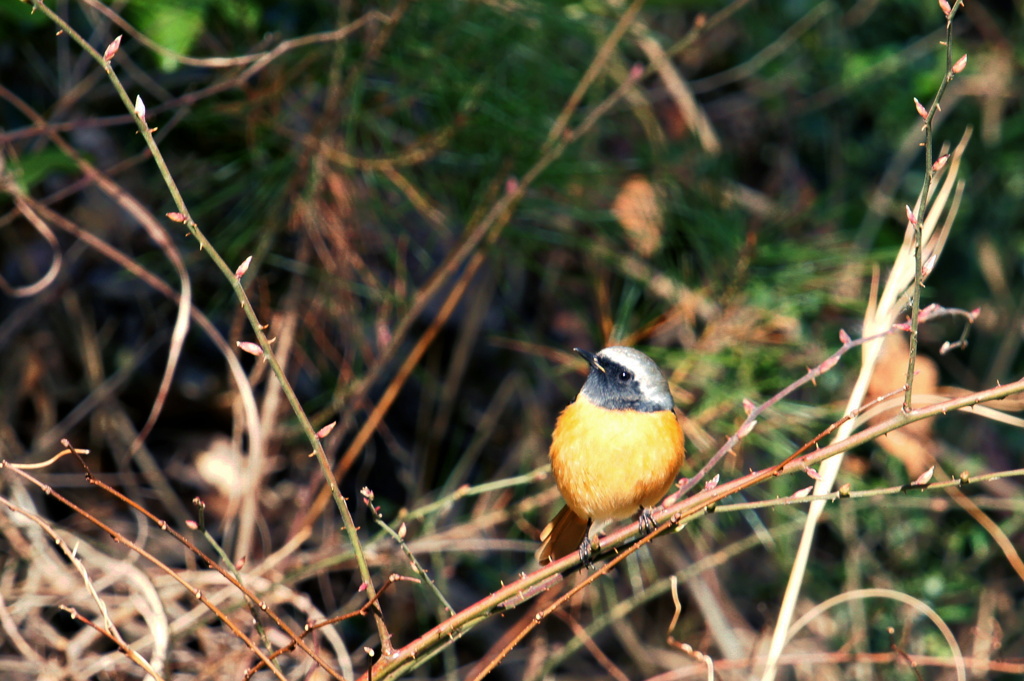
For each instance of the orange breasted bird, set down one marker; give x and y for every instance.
(616, 449)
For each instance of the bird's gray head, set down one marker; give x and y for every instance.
(625, 378)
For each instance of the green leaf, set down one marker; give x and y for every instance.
(31, 169)
(174, 24)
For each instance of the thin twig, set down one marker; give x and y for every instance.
(917, 217)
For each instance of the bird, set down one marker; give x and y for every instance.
(615, 450)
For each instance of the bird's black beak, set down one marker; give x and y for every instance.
(590, 357)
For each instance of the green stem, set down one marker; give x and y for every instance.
(922, 206)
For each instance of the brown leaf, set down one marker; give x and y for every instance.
(912, 444)
(638, 209)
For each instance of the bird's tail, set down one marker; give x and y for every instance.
(562, 536)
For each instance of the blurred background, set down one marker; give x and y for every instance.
(431, 238)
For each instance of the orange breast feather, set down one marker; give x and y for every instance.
(608, 463)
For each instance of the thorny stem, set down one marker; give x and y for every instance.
(922, 205)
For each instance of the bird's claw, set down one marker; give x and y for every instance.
(586, 548)
(647, 524)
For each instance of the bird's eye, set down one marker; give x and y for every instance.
(625, 377)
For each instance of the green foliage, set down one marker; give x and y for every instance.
(178, 25)
(43, 164)
(18, 17)
(174, 24)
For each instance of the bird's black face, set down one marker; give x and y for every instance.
(615, 385)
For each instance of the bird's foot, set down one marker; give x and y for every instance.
(647, 524)
(587, 547)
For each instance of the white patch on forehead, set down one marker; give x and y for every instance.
(642, 366)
